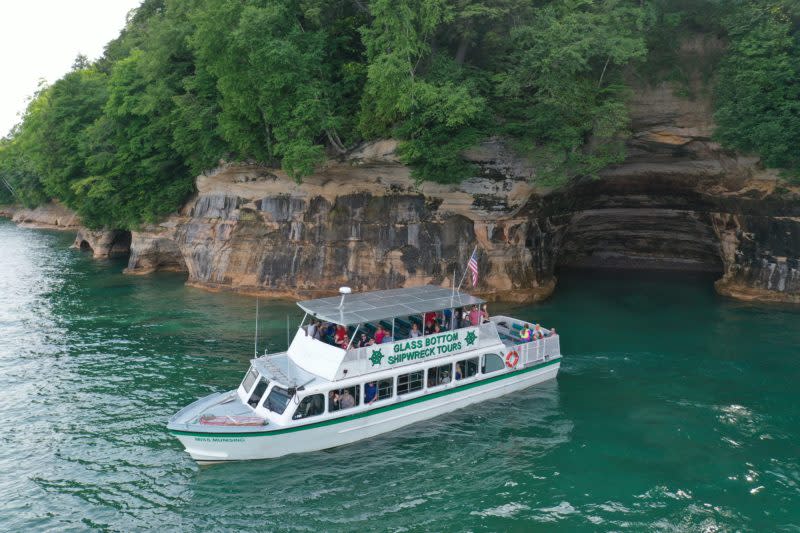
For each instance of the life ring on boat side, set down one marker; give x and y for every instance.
(512, 359)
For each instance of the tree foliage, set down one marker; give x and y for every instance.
(288, 83)
(758, 94)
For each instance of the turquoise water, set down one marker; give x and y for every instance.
(675, 410)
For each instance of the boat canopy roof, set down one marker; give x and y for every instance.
(379, 305)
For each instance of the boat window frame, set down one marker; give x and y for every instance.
(300, 404)
(483, 363)
(438, 368)
(378, 390)
(262, 378)
(263, 403)
(357, 396)
(421, 372)
(250, 371)
(477, 360)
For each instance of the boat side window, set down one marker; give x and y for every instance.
(310, 406)
(249, 379)
(466, 368)
(345, 398)
(375, 391)
(258, 392)
(492, 363)
(277, 400)
(409, 382)
(439, 375)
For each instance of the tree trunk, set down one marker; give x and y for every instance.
(461, 53)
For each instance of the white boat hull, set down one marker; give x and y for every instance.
(216, 447)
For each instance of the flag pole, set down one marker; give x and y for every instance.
(465, 270)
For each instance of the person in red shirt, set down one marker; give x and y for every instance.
(340, 334)
(430, 320)
(379, 335)
(475, 316)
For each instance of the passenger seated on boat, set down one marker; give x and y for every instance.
(430, 318)
(552, 332)
(311, 330)
(363, 340)
(485, 313)
(415, 332)
(463, 317)
(525, 335)
(379, 334)
(346, 400)
(344, 343)
(370, 392)
(466, 368)
(436, 328)
(333, 401)
(474, 316)
(439, 375)
(340, 334)
(447, 319)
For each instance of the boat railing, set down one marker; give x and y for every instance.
(360, 360)
(538, 350)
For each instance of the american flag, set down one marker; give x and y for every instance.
(473, 267)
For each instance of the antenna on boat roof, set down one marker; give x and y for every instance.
(453, 294)
(255, 336)
(344, 291)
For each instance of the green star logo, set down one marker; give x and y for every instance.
(470, 338)
(376, 357)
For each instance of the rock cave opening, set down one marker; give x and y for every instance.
(120, 244)
(640, 239)
(85, 246)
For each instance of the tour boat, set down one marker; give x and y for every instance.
(319, 395)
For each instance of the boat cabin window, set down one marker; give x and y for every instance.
(277, 400)
(310, 406)
(249, 379)
(466, 368)
(258, 392)
(407, 383)
(492, 363)
(345, 398)
(439, 375)
(378, 390)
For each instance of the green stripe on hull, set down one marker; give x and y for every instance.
(370, 412)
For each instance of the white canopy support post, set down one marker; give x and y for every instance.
(393, 339)
(255, 335)
(355, 333)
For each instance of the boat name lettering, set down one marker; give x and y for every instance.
(424, 347)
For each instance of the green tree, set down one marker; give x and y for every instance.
(562, 94)
(286, 80)
(758, 94)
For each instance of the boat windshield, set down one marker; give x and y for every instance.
(258, 392)
(277, 400)
(249, 379)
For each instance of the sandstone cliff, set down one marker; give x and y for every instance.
(102, 243)
(679, 201)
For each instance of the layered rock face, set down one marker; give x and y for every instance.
(361, 223)
(679, 201)
(47, 216)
